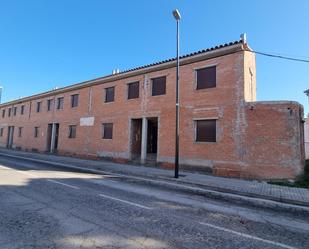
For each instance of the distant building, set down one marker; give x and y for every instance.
(130, 116)
(307, 130)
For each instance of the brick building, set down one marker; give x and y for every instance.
(130, 116)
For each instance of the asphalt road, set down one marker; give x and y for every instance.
(48, 207)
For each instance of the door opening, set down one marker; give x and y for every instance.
(152, 139)
(10, 137)
(52, 137)
(136, 138)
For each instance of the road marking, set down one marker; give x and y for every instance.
(127, 202)
(63, 184)
(247, 236)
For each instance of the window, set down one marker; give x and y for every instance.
(74, 100)
(3, 113)
(22, 110)
(1, 132)
(60, 103)
(14, 111)
(36, 131)
(20, 130)
(206, 78)
(107, 130)
(50, 103)
(206, 130)
(72, 131)
(38, 106)
(109, 94)
(10, 110)
(133, 90)
(158, 86)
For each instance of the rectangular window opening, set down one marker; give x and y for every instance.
(206, 78)
(72, 131)
(36, 131)
(22, 110)
(60, 103)
(109, 94)
(206, 130)
(38, 106)
(74, 100)
(20, 130)
(133, 90)
(159, 86)
(107, 129)
(50, 103)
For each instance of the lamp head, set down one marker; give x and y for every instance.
(176, 14)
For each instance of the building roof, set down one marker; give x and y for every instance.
(216, 51)
(185, 56)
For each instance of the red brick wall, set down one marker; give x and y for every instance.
(273, 140)
(238, 152)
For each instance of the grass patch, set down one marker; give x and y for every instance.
(302, 182)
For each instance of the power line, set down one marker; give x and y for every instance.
(278, 56)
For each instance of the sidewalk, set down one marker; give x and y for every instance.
(255, 189)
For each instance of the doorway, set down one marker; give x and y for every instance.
(52, 137)
(152, 139)
(136, 138)
(144, 140)
(10, 137)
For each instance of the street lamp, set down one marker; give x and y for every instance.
(177, 16)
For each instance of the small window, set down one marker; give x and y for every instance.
(72, 131)
(159, 86)
(109, 94)
(60, 103)
(50, 104)
(206, 130)
(38, 106)
(20, 131)
(15, 111)
(36, 131)
(22, 110)
(107, 131)
(10, 111)
(133, 90)
(74, 100)
(206, 77)
(1, 132)
(3, 113)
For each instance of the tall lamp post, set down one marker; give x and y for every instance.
(177, 17)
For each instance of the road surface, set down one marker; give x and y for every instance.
(42, 206)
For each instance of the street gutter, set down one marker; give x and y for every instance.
(276, 204)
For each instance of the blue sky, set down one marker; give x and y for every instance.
(44, 44)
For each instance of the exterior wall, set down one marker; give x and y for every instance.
(234, 153)
(274, 140)
(250, 77)
(307, 137)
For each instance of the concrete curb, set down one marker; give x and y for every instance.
(239, 198)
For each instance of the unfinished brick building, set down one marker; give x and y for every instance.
(130, 116)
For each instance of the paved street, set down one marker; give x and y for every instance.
(48, 207)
